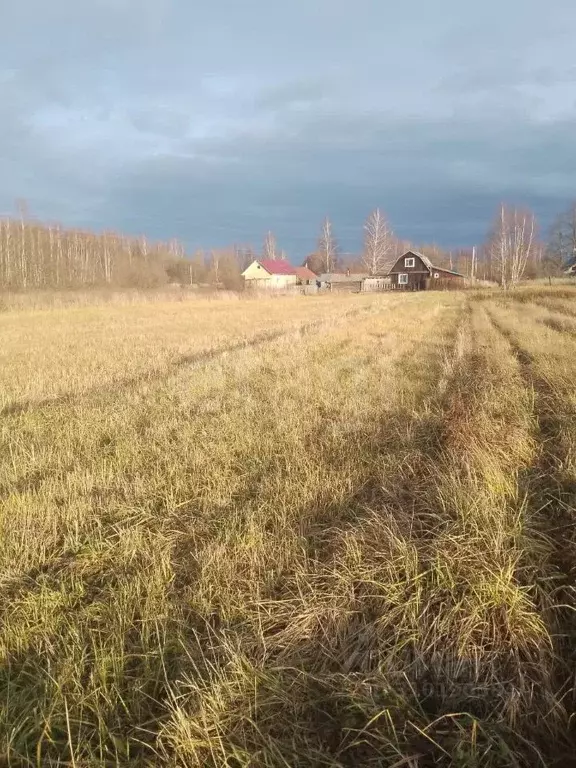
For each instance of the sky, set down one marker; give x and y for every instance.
(216, 122)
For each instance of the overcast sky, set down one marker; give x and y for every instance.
(214, 122)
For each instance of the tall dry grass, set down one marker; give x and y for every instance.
(65, 352)
(24, 301)
(336, 547)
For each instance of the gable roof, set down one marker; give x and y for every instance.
(304, 273)
(427, 263)
(425, 259)
(277, 266)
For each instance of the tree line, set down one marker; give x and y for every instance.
(36, 256)
(39, 256)
(514, 248)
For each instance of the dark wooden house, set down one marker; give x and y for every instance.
(415, 272)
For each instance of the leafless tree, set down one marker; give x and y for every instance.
(35, 256)
(378, 254)
(23, 210)
(215, 260)
(561, 249)
(314, 262)
(553, 262)
(269, 251)
(512, 244)
(327, 247)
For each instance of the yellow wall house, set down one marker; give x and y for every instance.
(270, 274)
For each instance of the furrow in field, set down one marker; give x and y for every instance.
(49, 355)
(290, 633)
(16, 482)
(139, 571)
(549, 370)
(48, 456)
(316, 551)
(421, 611)
(563, 306)
(194, 360)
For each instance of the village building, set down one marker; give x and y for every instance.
(305, 276)
(270, 274)
(570, 268)
(415, 272)
(342, 282)
(306, 280)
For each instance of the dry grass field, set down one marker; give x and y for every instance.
(325, 531)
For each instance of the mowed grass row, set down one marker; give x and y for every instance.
(545, 345)
(143, 533)
(59, 352)
(421, 640)
(326, 550)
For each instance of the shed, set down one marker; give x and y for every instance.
(305, 276)
(342, 281)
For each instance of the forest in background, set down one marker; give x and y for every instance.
(38, 256)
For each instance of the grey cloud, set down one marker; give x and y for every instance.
(159, 121)
(506, 73)
(217, 122)
(438, 181)
(301, 92)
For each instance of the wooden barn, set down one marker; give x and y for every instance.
(415, 272)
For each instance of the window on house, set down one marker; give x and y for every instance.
(436, 275)
(403, 279)
(409, 261)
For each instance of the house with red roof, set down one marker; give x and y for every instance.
(275, 274)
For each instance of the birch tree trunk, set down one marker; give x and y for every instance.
(512, 244)
(327, 246)
(379, 244)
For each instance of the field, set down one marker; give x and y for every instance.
(321, 531)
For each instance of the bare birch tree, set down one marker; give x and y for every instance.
(327, 246)
(378, 254)
(511, 245)
(269, 251)
(215, 262)
(33, 255)
(22, 210)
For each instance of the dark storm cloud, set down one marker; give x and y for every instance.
(439, 180)
(216, 123)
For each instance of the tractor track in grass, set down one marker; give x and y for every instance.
(560, 309)
(395, 492)
(193, 360)
(552, 511)
(368, 490)
(50, 571)
(35, 480)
